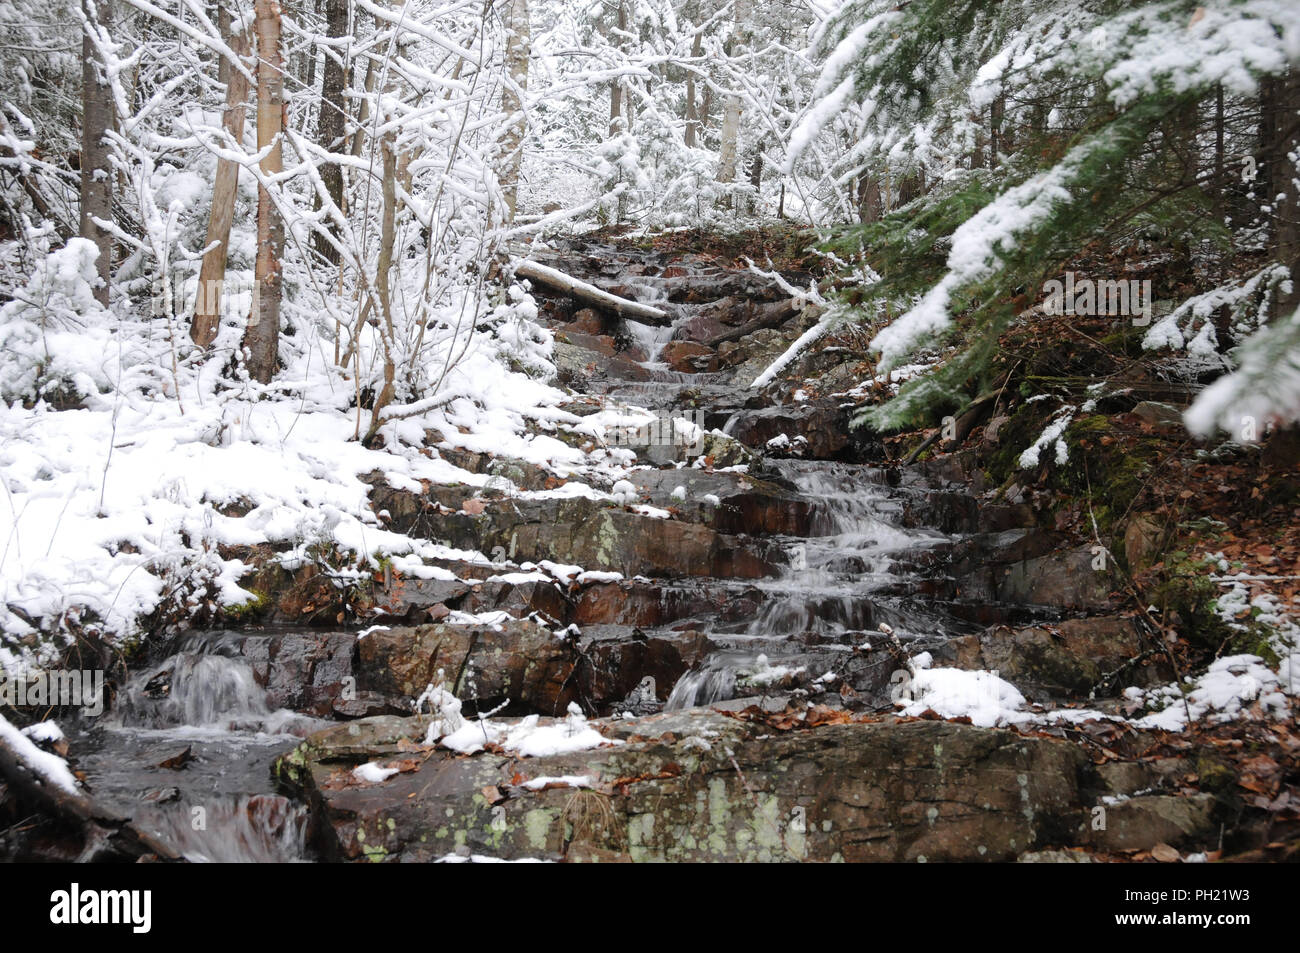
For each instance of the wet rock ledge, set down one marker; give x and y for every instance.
(701, 785)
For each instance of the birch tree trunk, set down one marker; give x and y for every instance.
(261, 339)
(96, 167)
(212, 273)
(518, 48)
(731, 117)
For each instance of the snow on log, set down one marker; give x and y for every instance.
(44, 781)
(589, 294)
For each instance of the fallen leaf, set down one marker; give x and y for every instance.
(178, 761)
(1165, 854)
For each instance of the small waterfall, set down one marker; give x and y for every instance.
(833, 589)
(202, 687)
(186, 752)
(714, 682)
(256, 828)
(650, 338)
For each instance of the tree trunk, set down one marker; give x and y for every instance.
(616, 87)
(910, 187)
(977, 156)
(518, 47)
(261, 339)
(756, 173)
(383, 277)
(870, 201)
(731, 118)
(589, 294)
(96, 167)
(730, 133)
(996, 141)
(391, 171)
(212, 273)
(363, 111)
(331, 128)
(692, 117)
(1282, 100)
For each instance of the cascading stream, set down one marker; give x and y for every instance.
(842, 581)
(186, 751)
(829, 586)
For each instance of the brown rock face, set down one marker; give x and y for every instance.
(1072, 657)
(587, 321)
(1140, 823)
(689, 357)
(520, 661)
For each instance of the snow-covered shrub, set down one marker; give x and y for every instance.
(622, 181)
(54, 336)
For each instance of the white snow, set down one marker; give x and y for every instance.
(485, 859)
(48, 768)
(764, 672)
(624, 492)
(46, 731)
(372, 773)
(654, 512)
(527, 737)
(111, 508)
(1222, 693)
(1050, 436)
(563, 780)
(985, 698)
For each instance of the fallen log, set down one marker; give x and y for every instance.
(966, 420)
(105, 836)
(590, 294)
(770, 315)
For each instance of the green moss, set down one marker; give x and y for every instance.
(1188, 591)
(1125, 340)
(1015, 436)
(1256, 640)
(1112, 473)
(1109, 474)
(1214, 775)
(248, 611)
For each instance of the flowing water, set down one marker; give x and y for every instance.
(847, 581)
(837, 588)
(187, 747)
(187, 750)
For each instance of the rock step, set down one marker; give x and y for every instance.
(695, 786)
